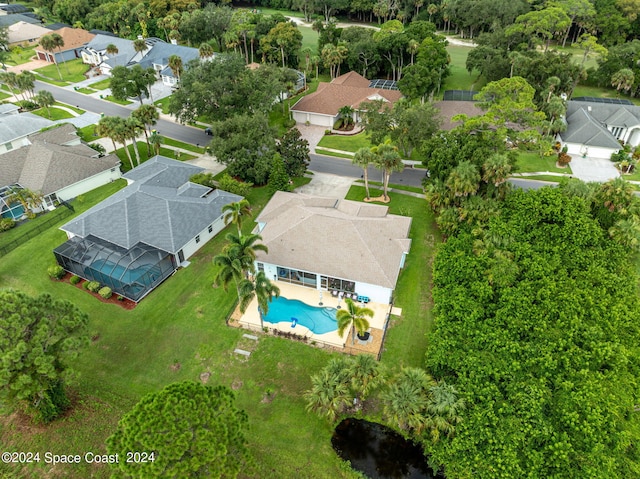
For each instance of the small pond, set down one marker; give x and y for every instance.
(380, 452)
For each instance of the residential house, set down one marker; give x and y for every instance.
(158, 58)
(57, 165)
(15, 128)
(597, 129)
(6, 20)
(25, 34)
(74, 40)
(138, 237)
(351, 89)
(333, 244)
(7, 9)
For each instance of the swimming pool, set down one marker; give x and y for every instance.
(318, 320)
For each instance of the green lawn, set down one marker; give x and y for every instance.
(350, 143)
(531, 162)
(578, 53)
(27, 226)
(183, 145)
(101, 85)
(601, 92)
(309, 40)
(142, 148)
(72, 71)
(413, 189)
(86, 91)
(322, 151)
(19, 55)
(52, 82)
(79, 111)
(115, 100)
(182, 322)
(4, 95)
(460, 79)
(163, 104)
(88, 133)
(52, 113)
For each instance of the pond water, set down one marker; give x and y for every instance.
(380, 452)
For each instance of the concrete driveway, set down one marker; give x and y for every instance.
(324, 184)
(313, 134)
(593, 169)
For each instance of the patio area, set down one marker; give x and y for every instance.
(251, 320)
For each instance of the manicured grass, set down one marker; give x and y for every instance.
(72, 71)
(555, 179)
(52, 82)
(322, 151)
(163, 104)
(119, 102)
(142, 149)
(183, 145)
(532, 162)
(24, 227)
(578, 53)
(88, 133)
(406, 341)
(182, 322)
(4, 95)
(101, 85)
(350, 143)
(86, 91)
(53, 113)
(413, 189)
(79, 111)
(20, 55)
(309, 40)
(460, 79)
(601, 92)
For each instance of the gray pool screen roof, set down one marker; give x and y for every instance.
(160, 208)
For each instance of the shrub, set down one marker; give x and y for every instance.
(289, 123)
(205, 179)
(327, 132)
(6, 224)
(120, 298)
(338, 124)
(85, 285)
(234, 186)
(56, 271)
(564, 159)
(105, 292)
(93, 286)
(74, 279)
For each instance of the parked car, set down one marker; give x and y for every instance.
(208, 131)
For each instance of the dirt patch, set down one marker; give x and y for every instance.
(204, 377)
(236, 384)
(175, 367)
(267, 398)
(380, 199)
(124, 303)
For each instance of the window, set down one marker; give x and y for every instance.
(198, 239)
(261, 267)
(210, 229)
(8, 146)
(113, 170)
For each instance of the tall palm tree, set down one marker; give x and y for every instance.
(627, 232)
(354, 317)
(230, 269)
(438, 195)
(244, 247)
(49, 43)
(496, 169)
(133, 127)
(328, 396)
(443, 410)
(234, 212)
(147, 115)
(363, 158)
(464, 179)
(388, 160)
(156, 140)
(140, 46)
(407, 400)
(111, 49)
(623, 79)
(263, 289)
(205, 50)
(175, 64)
(10, 79)
(120, 134)
(45, 99)
(365, 375)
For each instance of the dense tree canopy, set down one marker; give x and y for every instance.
(537, 321)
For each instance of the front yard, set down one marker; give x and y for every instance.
(178, 333)
(72, 71)
(350, 143)
(532, 162)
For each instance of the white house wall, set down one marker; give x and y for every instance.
(14, 144)
(88, 184)
(192, 246)
(314, 119)
(590, 151)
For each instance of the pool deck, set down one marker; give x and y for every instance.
(251, 320)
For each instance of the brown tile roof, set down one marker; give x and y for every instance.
(448, 109)
(335, 237)
(74, 37)
(330, 97)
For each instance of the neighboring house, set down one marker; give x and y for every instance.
(6, 20)
(333, 244)
(156, 55)
(74, 40)
(351, 89)
(14, 129)
(136, 238)
(12, 9)
(25, 34)
(596, 129)
(449, 108)
(57, 165)
(9, 109)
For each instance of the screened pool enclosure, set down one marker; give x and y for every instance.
(10, 209)
(131, 273)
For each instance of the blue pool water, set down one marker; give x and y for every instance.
(116, 276)
(318, 320)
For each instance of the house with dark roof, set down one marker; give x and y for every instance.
(597, 129)
(365, 259)
(6, 20)
(57, 165)
(156, 55)
(138, 237)
(74, 40)
(351, 89)
(15, 128)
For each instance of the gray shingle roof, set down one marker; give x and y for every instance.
(335, 237)
(152, 209)
(13, 127)
(60, 135)
(6, 20)
(8, 108)
(160, 53)
(47, 167)
(583, 129)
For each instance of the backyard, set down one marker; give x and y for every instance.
(178, 333)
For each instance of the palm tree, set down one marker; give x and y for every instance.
(432, 9)
(623, 79)
(107, 127)
(627, 232)
(45, 99)
(464, 179)
(496, 169)
(133, 127)
(120, 134)
(140, 46)
(265, 292)
(328, 396)
(29, 200)
(365, 375)
(49, 43)
(437, 195)
(443, 410)
(205, 50)
(156, 140)
(407, 400)
(147, 115)
(346, 113)
(355, 316)
(244, 248)
(412, 49)
(175, 63)
(111, 49)
(10, 79)
(363, 158)
(388, 160)
(230, 268)
(235, 212)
